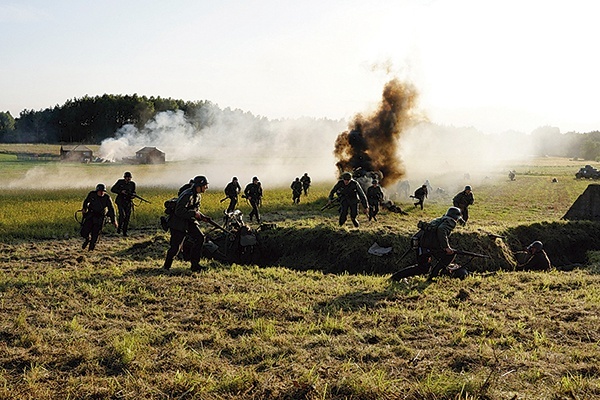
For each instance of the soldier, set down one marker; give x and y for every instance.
(374, 197)
(538, 259)
(125, 190)
(253, 193)
(463, 200)
(349, 193)
(305, 183)
(420, 195)
(232, 190)
(296, 187)
(96, 206)
(433, 243)
(185, 187)
(404, 188)
(184, 222)
(511, 175)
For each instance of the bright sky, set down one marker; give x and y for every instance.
(494, 65)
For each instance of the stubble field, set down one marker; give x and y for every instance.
(111, 324)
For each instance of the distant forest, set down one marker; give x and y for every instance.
(91, 120)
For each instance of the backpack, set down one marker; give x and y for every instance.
(427, 235)
(169, 210)
(170, 206)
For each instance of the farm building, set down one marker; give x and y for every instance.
(79, 153)
(150, 155)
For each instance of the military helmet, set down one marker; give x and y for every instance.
(200, 180)
(467, 187)
(460, 273)
(234, 178)
(100, 186)
(254, 178)
(536, 245)
(127, 174)
(454, 213)
(374, 181)
(346, 176)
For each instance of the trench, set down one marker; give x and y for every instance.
(332, 250)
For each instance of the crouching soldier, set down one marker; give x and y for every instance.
(537, 258)
(433, 243)
(185, 222)
(96, 206)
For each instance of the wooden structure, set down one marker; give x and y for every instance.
(79, 153)
(150, 155)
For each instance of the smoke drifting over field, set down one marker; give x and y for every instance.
(372, 143)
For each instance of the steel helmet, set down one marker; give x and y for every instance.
(200, 181)
(100, 186)
(346, 176)
(467, 187)
(127, 174)
(536, 245)
(454, 213)
(374, 181)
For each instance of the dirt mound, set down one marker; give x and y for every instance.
(334, 250)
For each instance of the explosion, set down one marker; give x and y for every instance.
(371, 143)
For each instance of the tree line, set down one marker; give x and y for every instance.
(90, 120)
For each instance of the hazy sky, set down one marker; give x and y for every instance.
(494, 65)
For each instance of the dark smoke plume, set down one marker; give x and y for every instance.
(371, 143)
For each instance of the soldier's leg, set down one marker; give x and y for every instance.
(177, 238)
(343, 213)
(443, 260)
(420, 268)
(354, 214)
(86, 230)
(127, 208)
(465, 214)
(196, 252)
(375, 210)
(96, 228)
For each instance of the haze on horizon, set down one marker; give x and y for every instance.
(495, 66)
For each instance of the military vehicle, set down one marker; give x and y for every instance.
(588, 172)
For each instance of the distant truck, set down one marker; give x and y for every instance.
(588, 172)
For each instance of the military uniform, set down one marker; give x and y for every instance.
(253, 192)
(95, 209)
(232, 190)
(349, 194)
(433, 240)
(305, 183)
(539, 261)
(463, 200)
(296, 187)
(124, 190)
(183, 223)
(374, 197)
(420, 195)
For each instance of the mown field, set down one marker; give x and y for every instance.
(320, 320)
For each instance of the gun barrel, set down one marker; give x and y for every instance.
(469, 253)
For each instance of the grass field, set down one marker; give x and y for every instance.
(110, 324)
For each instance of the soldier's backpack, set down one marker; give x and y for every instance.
(169, 210)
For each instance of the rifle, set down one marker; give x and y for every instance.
(135, 196)
(331, 204)
(471, 254)
(493, 235)
(213, 223)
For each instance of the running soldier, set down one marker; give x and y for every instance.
(374, 197)
(185, 222)
(349, 193)
(96, 206)
(125, 191)
(305, 183)
(253, 193)
(463, 200)
(420, 195)
(296, 187)
(232, 190)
